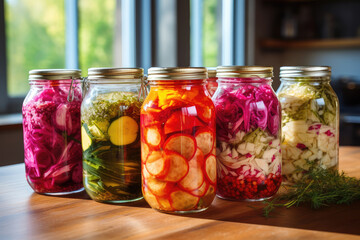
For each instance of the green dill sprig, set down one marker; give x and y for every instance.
(319, 188)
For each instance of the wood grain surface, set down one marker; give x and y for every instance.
(27, 215)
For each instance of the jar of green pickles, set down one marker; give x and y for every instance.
(310, 121)
(110, 118)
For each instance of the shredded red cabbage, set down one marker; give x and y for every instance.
(248, 107)
(53, 154)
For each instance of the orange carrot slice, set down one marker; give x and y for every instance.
(204, 113)
(180, 121)
(183, 144)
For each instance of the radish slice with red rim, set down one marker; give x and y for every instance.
(153, 135)
(182, 201)
(201, 190)
(183, 144)
(156, 164)
(158, 187)
(205, 140)
(194, 178)
(178, 167)
(210, 168)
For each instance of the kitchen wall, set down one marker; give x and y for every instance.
(266, 23)
(344, 60)
(11, 145)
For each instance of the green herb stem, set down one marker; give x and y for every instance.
(319, 188)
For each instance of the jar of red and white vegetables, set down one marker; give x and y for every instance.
(211, 82)
(178, 141)
(248, 133)
(51, 123)
(310, 120)
(110, 118)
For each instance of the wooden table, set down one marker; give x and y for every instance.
(27, 215)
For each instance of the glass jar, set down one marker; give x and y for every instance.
(178, 141)
(310, 121)
(51, 123)
(211, 84)
(110, 118)
(248, 133)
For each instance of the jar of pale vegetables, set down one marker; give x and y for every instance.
(310, 121)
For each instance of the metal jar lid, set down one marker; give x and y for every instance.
(177, 73)
(115, 73)
(54, 74)
(211, 72)
(244, 71)
(305, 71)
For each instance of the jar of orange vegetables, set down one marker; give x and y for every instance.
(178, 141)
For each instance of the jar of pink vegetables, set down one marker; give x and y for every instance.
(247, 133)
(52, 136)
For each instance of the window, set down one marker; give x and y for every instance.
(35, 38)
(217, 32)
(129, 33)
(211, 29)
(97, 31)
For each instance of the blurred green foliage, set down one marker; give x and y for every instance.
(210, 43)
(35, 38)
(96, 33)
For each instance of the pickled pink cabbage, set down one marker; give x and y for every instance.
(248, 107)
(53, 154)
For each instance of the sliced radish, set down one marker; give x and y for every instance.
(194, 178)
(182, 201)
(164, 204)
(179, 121)
(156, 164)
(209, 196)
(201, 190)
(183, 144)
(178, 167)
(153, 135)
(150, 198)
(144, 151)
(158, 187)
(210, 168)
(145, 173)
(205, 140)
